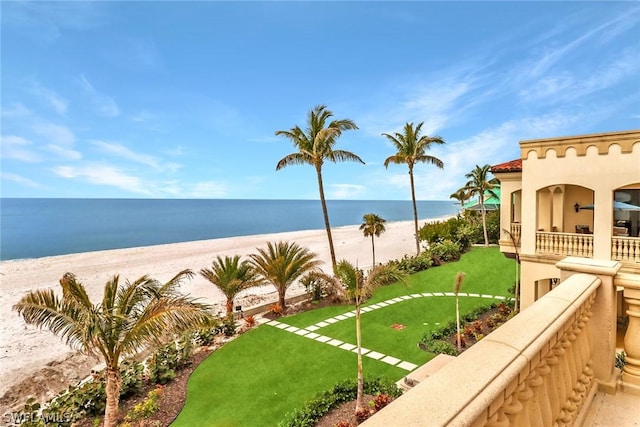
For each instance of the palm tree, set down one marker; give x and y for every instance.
(457, 285)
(411, 147)
(373, 226)
(230, 276)
(129, 319)
(281, 264)
(359, 288)
(315, 145)
(461, 195)
(479, 185)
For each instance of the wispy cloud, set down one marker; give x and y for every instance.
(16, 110)
(105, 105)
(19, 179)
(120, 150)
(50, 98)
(346, 191)
(102, 174)
(18, 148)
(56, 134)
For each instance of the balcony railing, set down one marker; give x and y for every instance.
(535, 370)
(564, 244)
(625, 249)
(515, 231)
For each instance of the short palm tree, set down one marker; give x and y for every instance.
(461, 195)
(373, 226)
(457, 285)
(479, 184)
(281, 263)
(411, 148)
(231, 276)
(359, 287)
(129, 319)
(315, 145)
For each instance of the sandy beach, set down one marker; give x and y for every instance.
(26, 350)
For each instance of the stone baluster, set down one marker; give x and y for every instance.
(540, 402)
(631, 371)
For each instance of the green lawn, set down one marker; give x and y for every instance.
(263, 374)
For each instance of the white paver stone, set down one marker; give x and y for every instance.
(375, 355)
(406, 297)
(450, 294)
(364, 350)
(312, 328)
(367, 309)
(302, 332)
(347, 346)
(475, 295)
(416, 295)
(332, 320)
(342, 317)
(487, 296)
(335, 343)
(499, 297)
(427, 294)
(407, 366)
(312, 335)
(350, 314)
(322, 338)
(383, 304)
(391, 360)
(282, 326)
(438, 294)
(463, 294)
(322, 324)
(291, 329)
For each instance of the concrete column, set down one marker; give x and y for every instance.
(604, 325)
(631, 371)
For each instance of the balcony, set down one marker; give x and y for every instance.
(552, 364)
(624, 249)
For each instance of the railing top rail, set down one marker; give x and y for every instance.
(493, 365)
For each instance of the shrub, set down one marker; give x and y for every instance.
(444, 251)
(166, 360)
(229, 326)
(131, 373)
(381, 400)
(362, 415)
(275, 309)
(344, 391)
(206, 336)
(250, 321)
(147, 407)
(441, 347)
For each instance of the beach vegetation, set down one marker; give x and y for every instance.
(461, 195)
(313, 410)
(479, 184)
(316, 145)
(130, 318)
(411, 148)
(373, 225)
(359, 288)
(281, 264)
(231, 276)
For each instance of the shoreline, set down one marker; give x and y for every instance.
(21, 346)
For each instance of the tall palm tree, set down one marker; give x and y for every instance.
(411, 147)
(373, 226)
(461, 195)
(281, 264)
(315, 145)
(230, 276)
(479, 184)
(359, 287)
(129, 319)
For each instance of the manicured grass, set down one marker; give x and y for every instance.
(263, 374)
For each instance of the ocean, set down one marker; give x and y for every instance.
(34, 228)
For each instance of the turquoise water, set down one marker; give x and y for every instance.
(33, 228)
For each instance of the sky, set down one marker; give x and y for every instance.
(160, 99)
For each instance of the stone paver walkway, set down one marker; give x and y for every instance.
(310, 331)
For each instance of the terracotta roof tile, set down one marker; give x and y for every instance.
(511, 166)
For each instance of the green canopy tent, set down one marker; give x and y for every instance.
(490, 203)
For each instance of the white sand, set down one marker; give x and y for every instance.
(25, 349)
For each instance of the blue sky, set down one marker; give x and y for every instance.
(182, 99)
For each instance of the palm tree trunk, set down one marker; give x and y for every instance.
(281, 300)
(325, 212)
(415, 210)
(229, 306)
(373, 248)
(484, 220)
(113, 397)
(360, 388)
